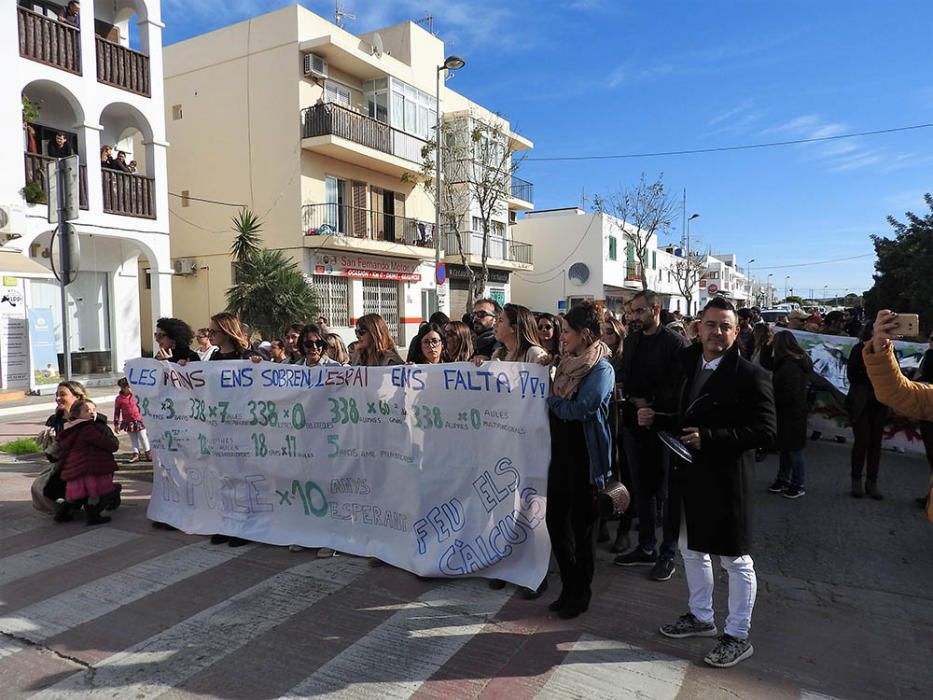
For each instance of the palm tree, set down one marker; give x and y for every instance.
(269, 290)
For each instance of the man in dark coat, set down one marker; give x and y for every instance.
(649, 378)
(484, 316)
(726, 411)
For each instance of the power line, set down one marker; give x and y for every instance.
(206, 201)
(818, 262)
(743, 147)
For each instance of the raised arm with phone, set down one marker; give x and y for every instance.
(892, 388)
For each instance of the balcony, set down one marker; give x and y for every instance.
(49, 41)
(498, 249)
(633, 272)
(522, 194)
(128, 194)
(341, 133)
(122, 67)
(366, 230)
(36, 172)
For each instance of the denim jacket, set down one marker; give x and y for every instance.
(590, 406)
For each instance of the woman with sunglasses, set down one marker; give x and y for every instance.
(374, 344)
(336, 350)
(315, 347)
(515, 329)
(549, 334)
(226, 332)
(173, 341)
(429, 345)
(205, 349)
(458, 342)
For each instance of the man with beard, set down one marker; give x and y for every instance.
(649, 379)
(485, 312)
(726, 411)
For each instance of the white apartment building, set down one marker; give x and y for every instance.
(323, 134)
(581, 256)
(724, 278)
(96, 81)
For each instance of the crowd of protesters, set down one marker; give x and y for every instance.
(723, 387)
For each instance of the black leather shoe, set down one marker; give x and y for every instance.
(529, 594)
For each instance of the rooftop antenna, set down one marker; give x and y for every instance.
(428, 21)
(340, 15)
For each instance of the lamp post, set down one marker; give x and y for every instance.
(450, 63)
(751, 283)
(786, 282)
(770, 290)
(687, 251)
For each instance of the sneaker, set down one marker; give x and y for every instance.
(778, 486)
(794, 492)
(688, 626)
(637, 557)
(295, 548)
(663, 570)
(729, 652)
(326, 552)
(496, 584)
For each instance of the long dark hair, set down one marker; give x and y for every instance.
(785, 345)
(526, 330)
(461, 332)
(553, 347)
(178, 331)
(417, 355)
(584, 319)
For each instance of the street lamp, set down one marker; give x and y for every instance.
(751, 282)
(786, 282)
(770, 290)
(450, 63)
(688, 252)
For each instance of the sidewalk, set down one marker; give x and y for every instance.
(26, 417)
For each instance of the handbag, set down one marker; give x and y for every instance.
(40, 501)
(613, 499)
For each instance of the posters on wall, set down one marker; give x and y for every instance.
(440, 470)
(42, 349)
(14, 357)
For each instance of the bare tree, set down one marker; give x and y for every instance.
(639, 213)
(687, 272)
(477, 179)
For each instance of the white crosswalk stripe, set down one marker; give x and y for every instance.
(399, 655)
(611, 669)
(74, 607)
(20, 523)
(64, 551)
(152, 667)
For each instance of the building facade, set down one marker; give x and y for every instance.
(581, 256)
(325, 136)
(724, 278)
(72, 85)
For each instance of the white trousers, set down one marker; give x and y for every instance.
(140, 440)
(743, 586)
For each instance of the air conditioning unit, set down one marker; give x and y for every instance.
(184, 266)
(6, 220)
(315, 65)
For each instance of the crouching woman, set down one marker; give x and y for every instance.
(580, 454)
(87, 448)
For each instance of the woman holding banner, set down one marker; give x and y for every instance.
(515, 329)
(374, 344)
(428, 345)
(580, 454)
(458, 342)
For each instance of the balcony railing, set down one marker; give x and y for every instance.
(369, 224)
(330, 119)
(522, 189)
(36, 172)
(128, 194)
(122, 67)
(49, 41)
(497, 247)
(633, 272)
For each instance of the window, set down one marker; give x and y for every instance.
(613, 248)
(337, 94)
(400, 105)
(333, 295)
(335, 195)
(496, 228)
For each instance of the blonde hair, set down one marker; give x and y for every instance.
(230, 325)
(336, 350)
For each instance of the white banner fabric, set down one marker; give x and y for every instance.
(440, 470)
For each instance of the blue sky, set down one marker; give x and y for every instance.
(606, 77)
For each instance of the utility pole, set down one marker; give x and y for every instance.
(62, 176)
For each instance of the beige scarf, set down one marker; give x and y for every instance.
(573, 368)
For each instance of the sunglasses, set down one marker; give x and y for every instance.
(360, 332)
(545, 327)
(482, 314)
(212, 331)
(159, 335)
(319, 344)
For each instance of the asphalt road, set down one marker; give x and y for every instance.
(845, 609)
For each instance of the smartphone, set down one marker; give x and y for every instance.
(907, 325)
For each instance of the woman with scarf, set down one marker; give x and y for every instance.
(580, 454)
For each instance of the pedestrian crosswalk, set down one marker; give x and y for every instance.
(125, 611)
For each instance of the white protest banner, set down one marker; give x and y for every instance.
(440, 470)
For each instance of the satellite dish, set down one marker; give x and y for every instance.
(378, 46)
(578, 273)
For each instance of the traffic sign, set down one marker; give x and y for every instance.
(440, 274)
(62, 180)
(712, 288)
